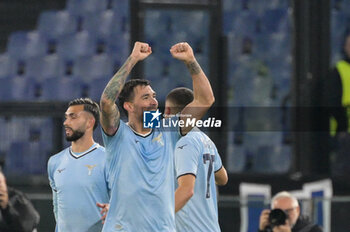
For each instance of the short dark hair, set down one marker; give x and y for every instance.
(181, 97)
(89, 106)
(127, 93)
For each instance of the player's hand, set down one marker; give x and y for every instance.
(282, 228)
(4, 198)
(104, 211)
(141, 51)
(183, 52)
(264, 219)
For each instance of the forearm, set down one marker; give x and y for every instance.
(182, 196)
(115, 85)
(202, 90)
(110, 114)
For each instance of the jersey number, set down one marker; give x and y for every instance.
(211, 159)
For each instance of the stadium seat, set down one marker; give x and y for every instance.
(254, 198)
(15, 158)
(81, 7)
(236, 160)
(229, 18)
(61, 88)
(81, 44)
(43, 67)
(53, 24)
(89, 68)
(7, 66)
(121, 7)
(100, 25)
(272, 159)
(5, 88)
(25, 45)
(199, 26)
(232, 5)
(118, 46)
(156, 23)
(260, 6)
(96, 87)
(246, 23)
(19, 88)
(322, 209)
(275, 20)
(15, 88)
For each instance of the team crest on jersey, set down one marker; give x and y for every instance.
(90, 168)
(159, 139)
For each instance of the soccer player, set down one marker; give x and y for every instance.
(77, 174)
(140, 159)
(198, 168)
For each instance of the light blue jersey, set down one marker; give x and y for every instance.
(78, 182)
(141, 178)
(196, 154)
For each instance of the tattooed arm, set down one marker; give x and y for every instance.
(202, 91)
(110, 115)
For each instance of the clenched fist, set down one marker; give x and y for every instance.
(141, 51)
(182, 51)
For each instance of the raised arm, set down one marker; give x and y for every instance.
(202, 91)
(110, 115)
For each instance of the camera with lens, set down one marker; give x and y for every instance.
(277, 217)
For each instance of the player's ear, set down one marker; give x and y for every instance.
(91, 122)
(128, 106)
(167, 110)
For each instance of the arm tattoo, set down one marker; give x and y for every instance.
(194, 68)
(116, 84)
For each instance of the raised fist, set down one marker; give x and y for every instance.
(182, 51)
(141, 51)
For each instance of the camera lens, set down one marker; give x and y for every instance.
(277, 217)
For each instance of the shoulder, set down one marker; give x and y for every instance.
(100, 148)
(55, 158)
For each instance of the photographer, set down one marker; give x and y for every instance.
(285, 216)
(17, 213)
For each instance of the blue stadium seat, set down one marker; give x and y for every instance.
(118, 46)
(7, 66)
(53, 24)
(96, 88)
(76, 45)
(25, 45)
(25, 157)
(61, 88)
(263, 159)
(228, 21)
(155, 67)
(199, 26)
(156, 23)
(121, 7)
(15, 162)
(236, 160)
(275, 20)
(246, 23)
(15, 88)
(44, 67)
(260, 6)
(5, 88)
(97, 66)
(101, 25)
(81, 7)
(232, 5)
(19, 88)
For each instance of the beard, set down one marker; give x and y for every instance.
(76, 134)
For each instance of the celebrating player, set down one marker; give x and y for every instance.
(140, 159)
(198, 168)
